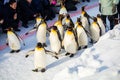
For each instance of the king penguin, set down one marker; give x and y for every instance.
(63, 10)
(101, 24)
(70, 42)
(68, 21)
(41, 31)
(85, 19)
(95, 30)
(59, 25)
(39, 58)
(13, 40)
(81, 36)
(55, 40)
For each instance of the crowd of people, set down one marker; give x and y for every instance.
(14, 11)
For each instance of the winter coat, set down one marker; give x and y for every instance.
(107, 7)
(1, 10)
(25, 9)
(38, 6)
(8, 16)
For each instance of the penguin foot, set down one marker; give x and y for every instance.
(35, 70)
(72, 55)
(56, 57)
(43, 70)
(67, 54)
(44, 45)
(79, 48)
(12, 51)
(85, 47)
(17, 51)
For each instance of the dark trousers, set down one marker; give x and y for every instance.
(84, 0)
(110, 18)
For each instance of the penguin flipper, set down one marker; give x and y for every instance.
(30, 52)
(31, 30)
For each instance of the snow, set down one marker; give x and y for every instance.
(100, 61)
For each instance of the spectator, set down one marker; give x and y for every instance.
(108, 9)
(70, 5)
(10, 16)
(48, 12)
(26, 12)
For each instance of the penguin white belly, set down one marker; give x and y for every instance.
(95, 32)
(41, 34)
(70, 44)
(13, 42)
(61, 30)
(55, 42)
(85, 23)
(82, 37)
(40, 59)
(63, 11)
(102, 26)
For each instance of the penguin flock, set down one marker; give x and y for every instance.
(64, 34)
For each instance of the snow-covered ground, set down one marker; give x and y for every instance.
(100, 61)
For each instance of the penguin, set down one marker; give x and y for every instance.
(67, 22)
(63, 10)
(85, 19)
(78, 20)
(70, 42)
(38, 21)
(59, 26)
(81, 36)
(95, 30)
(41, 32)
(55, 40)
(101, 24)
(13, 41)
(39, 57)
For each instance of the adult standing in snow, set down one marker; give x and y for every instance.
(108, 8)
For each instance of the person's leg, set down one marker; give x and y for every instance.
(103, 17)
(88, 0)
(83, 0)
(111, 19)
(15, 25)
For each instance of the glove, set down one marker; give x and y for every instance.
(26, 56)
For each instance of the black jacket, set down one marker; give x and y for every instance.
(25, 9)
(8, 14)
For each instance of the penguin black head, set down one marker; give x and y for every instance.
(9, 29)
(39, 45)
(54, 27)
(60, 17)
(98, 15)
(95, 19)
(68, 16)
(78, 20)
(69, 28)
(80, 23)
(83, 8)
